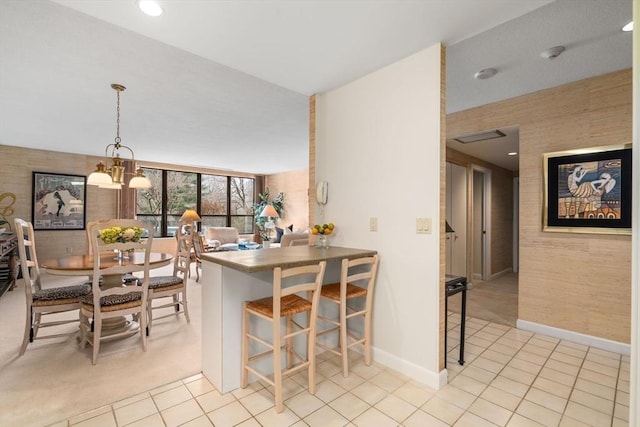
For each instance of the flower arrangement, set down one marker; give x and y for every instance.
(120, 234)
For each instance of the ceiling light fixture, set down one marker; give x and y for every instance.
(553, 52)
(628, 27)
(150, 7)
(512, 153)
(480, 136)
(113, 177)
(486, 73)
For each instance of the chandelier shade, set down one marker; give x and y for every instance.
(113, 176)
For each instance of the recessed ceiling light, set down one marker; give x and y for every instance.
(553, 52)
(513, 153)
(628, 27)
(486, 73)
(150, 7)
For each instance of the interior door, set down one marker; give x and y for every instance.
(456, 216)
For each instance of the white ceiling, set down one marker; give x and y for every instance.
(183, 106)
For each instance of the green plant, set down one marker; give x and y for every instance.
(277, 203)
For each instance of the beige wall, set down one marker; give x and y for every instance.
(576, 282)
(375, 165)
(501, 210)
(295, 186)
(16, 177)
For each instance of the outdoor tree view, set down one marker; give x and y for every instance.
(221, 201)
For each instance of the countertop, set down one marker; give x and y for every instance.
(251, 261)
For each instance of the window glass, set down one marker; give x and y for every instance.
(149, 201)
(214, 195)
(182, 193)
(242, 204)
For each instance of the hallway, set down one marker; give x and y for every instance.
(495, 301)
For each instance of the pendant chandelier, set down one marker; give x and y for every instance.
(113, 176)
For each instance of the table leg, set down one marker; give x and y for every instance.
(446, 326)
(462, 323)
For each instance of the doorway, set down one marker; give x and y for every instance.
(481, 223)
(456, 217)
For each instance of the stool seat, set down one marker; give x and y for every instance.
(332, 291)
(289, 305)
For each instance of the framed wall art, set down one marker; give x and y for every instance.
(588, 190)
(58, 201)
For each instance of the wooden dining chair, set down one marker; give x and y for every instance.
(173, 286)
(197, 243)
(42, 301)
(288, 287)
(357, 281)
(108, 303)
(129, 279)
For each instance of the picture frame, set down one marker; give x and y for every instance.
(588, 190)
(58, 201)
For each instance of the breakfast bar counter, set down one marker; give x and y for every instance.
(232, 277)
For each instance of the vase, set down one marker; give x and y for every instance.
(121, 255)
(266, 244)
(322, 241)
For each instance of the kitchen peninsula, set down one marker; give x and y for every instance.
(229, 279)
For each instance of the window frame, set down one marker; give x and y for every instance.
(228, 216)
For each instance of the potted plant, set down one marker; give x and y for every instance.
(261, 222)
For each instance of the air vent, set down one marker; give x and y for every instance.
(481, 136)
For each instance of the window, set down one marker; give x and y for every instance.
(221, 201)
(242, 204)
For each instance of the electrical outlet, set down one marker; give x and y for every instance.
(373, 224)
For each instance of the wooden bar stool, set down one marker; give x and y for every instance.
(357, 280)
(286, 302)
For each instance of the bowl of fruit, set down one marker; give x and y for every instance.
(322, 233)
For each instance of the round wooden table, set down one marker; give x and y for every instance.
(82, 265)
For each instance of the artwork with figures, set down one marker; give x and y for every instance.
(58, 201)
(590, 189)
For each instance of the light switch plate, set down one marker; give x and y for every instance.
(373, 224)
(423, 225)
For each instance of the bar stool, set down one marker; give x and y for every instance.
(357, 280)
(285, 303)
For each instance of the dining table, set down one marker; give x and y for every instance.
(82, 265)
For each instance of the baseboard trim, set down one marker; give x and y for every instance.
(435, 380)
(501, 273)
(601, 343)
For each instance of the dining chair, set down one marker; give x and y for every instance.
(109, 303)
(42, 301)
(197, 243)
(129, 278)
(354, 297)
(173, 286)
(286, 302)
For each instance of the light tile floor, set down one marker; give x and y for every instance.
(511, 378)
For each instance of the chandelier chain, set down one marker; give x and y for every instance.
(117, 140)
